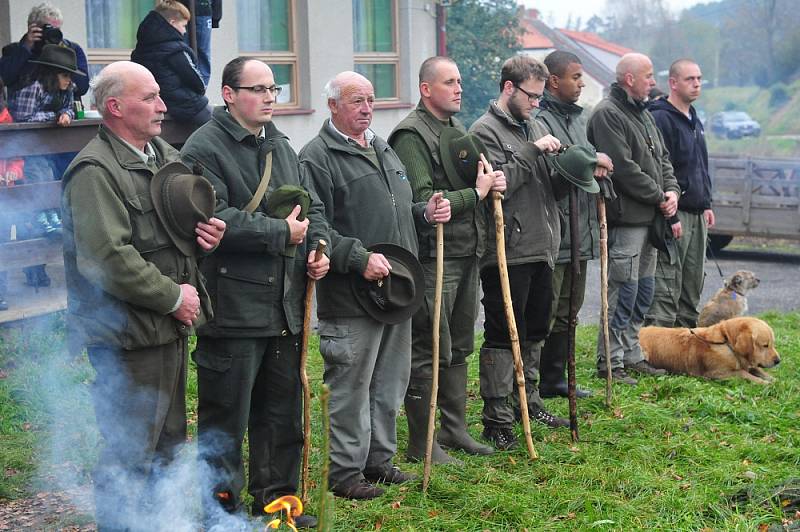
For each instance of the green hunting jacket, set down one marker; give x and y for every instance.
(566, 122)
(416, 142)
(531, 215)
(256, 288)
(624, 129)
(122, 270)
(364, 205)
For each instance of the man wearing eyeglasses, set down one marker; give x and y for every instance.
(248, 355)
(644, 181)
(517, 145)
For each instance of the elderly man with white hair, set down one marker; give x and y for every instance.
(368, 202)
(622, 127)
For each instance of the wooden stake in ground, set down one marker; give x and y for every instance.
(574, 273)
(437, 317)
(601, 216)
(304, 374)
(505, 286)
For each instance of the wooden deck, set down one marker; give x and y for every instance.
(25, 302)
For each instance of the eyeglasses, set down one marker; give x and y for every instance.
(533, 98)
(262, 89)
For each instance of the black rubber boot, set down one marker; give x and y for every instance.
(453, 407)
(552, 368)
(417, 401)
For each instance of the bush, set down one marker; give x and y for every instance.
(778, 95)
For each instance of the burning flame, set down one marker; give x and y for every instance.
(289, 504)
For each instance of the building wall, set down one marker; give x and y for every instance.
(324, 44)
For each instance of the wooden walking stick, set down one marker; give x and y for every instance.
(437, 317)
(505, 286)
(304, 375)
(574, 272)
(601, 216)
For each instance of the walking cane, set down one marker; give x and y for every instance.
(575, 272)
(437, 317)
(505, 286)
(304, 375)
(601, 215)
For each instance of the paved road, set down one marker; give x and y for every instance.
(779, 289)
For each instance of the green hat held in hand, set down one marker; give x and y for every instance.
(282, 202)
(577, 164)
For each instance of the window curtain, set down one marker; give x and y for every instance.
(263, 25)
(372, 26)
(113, 23)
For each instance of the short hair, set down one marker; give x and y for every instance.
(428, 68)
(232, 73)
(105, 85)
(172, 9)
(521, 68)
(332, 90)
(558, 61)
(676, 66)
(43, 12)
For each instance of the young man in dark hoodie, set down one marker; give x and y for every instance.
(679, 285)
(160, 47)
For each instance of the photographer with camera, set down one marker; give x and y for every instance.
(44, 27)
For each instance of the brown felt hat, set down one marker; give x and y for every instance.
(182, 199)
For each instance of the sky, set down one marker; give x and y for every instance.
(556, 12)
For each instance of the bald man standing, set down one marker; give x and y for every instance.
(368, 201)
(134, 294)
(646, 187)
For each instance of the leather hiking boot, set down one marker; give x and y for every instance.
(417, 403)
(388, 473)
(359, 488)
(618, 375)
(643, 367)
(544, 417)
(502, 438)
(453, 407)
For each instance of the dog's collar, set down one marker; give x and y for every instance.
(735, 291)
(708, 342)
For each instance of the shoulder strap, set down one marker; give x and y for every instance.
(262, 186)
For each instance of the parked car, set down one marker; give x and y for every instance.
(734, 125)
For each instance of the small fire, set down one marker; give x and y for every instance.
(289, 504)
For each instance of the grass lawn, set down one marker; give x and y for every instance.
(675, 453)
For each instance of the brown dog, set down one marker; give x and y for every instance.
(728, 302)
(738, 347)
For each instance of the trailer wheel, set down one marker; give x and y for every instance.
(718, 242)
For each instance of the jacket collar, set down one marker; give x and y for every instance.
(504, 117)
(336, 142)
(664, 104)
(435, 125)
(229, 124)
(619, 94)
(554, 105)
(123, 153)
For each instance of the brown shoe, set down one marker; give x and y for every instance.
(643, 367)
(618, 375)
(359, 488)
(388, 474)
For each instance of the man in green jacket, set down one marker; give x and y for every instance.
(518, 146)
(133, 296)
(368, 201)
(416, 142)
(248, 356)
(563, 117)
(646, 187)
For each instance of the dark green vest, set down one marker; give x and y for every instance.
(461, 233)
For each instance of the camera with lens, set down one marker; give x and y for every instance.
(50, 35)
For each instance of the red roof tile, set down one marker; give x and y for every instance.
(592, 39)
(532, 38)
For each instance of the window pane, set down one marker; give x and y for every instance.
(373, 21)
(283, 78)
(263, 25)
(382, 77)
(113, 24)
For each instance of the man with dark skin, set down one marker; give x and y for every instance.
(560, 113)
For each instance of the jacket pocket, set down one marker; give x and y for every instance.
(335, 343)
(148, 234)
(245, 296)
(513, 230)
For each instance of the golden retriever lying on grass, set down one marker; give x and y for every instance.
(738, 347)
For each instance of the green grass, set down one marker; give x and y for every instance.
(673, 454)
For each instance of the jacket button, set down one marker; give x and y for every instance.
(223, 270)
(270, 280)
(284, 333)
(185, 276)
